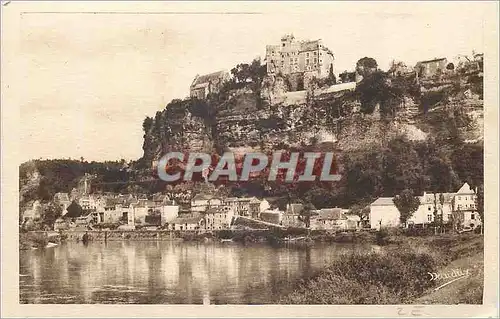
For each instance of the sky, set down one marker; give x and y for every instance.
(89, 80)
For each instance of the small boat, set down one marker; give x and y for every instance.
(226, 240)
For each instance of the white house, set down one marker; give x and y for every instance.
(202, 202)
(464, 203)
(430, 201)
(169, 211)
(383, 213)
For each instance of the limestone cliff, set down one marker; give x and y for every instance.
(244, 118)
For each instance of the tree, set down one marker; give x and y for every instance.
(438, 218)
(407, 204)
(331, 79)
(480, 204)
(50, 214)
(441, 201)
(306, 213)
(366, 66)
(74, 210)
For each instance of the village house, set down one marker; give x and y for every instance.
(246, 206)
(383, 213)
(187, 222)
(87, 202)
(291, 217)
(202, 202)
(329, 218)
(207, 84)
(116, 210)
(274, 216)
(430, 68)
(430, 202)
(459, 207)
(144, 208)
(292, 56)
(169, 210)
(353, 221)
(131, 211)
(218, 218)
(464, 206)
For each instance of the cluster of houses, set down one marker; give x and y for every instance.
(458, 208)
(209, 212)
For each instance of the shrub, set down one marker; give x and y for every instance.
(369, 278)
(381, 237)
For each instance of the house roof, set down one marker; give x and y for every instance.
(353, 217)
(254, 200)
(433, 60)
(330, 214)
(202, 197)
(429, 197)
(159, 197)
(383, 201)
(271, 212)
(239, 199)
(202, 79)
(465, 190)
(188, 219)
(145, 203)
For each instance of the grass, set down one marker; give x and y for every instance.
(398, 274)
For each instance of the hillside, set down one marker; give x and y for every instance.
(389, 133)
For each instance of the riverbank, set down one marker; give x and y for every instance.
(39, 239)
(399, 274)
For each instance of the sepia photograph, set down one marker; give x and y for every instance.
(288, 154)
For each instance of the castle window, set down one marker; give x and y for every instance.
(283, 44)
(429, 218)
(307, 54)
(472, 216)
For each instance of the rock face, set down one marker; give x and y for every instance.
(272, 118)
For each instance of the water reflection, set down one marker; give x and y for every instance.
(165, 272)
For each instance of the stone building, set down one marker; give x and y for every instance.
(292, 56)
(203, 85)
(431, 68)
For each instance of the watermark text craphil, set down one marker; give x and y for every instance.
(283, 166)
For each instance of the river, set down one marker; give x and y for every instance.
(163, 272)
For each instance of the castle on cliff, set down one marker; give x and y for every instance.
(292, 56)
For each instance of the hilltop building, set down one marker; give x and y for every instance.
(292, 56)
(203, 85)
(430, 68)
